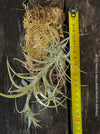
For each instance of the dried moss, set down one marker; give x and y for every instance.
(42, 24)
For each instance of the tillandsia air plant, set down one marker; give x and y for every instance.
(45, 60)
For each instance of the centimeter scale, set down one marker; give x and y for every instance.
(75, 73)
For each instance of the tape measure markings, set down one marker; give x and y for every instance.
(75, 74)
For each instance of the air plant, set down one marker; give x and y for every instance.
(47, 81)
(45, 59)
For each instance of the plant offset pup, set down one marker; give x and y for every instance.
(45, 58)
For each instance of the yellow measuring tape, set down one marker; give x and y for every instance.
(75, 73)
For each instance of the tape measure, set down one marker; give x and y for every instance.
(75, 73)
